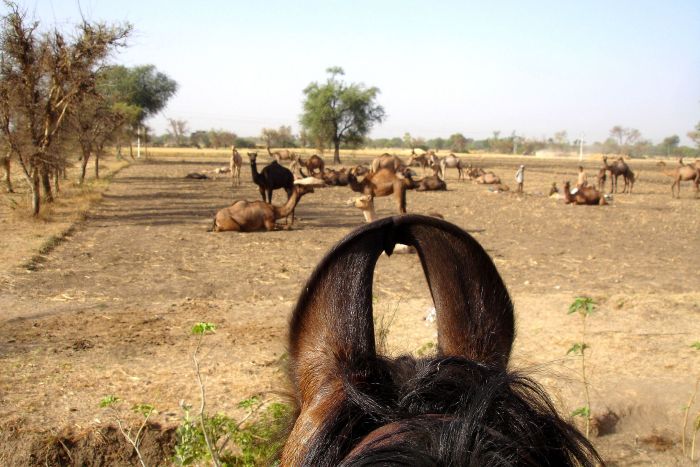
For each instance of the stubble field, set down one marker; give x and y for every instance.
(108, 310)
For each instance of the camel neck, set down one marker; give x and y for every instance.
(284, 211)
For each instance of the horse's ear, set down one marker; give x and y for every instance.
(331, 329)
(474, 311)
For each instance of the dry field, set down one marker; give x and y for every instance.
(108, 310)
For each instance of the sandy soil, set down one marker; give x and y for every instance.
(110, 309)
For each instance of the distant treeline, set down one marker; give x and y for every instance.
(622, 140)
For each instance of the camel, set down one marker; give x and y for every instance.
(488, 178)
(387, 161)
(272, 177)
(683, 173)
(474, 172)
(384, 182)
(5, 163)
(334, 177)
(254, 216)
(281, 155)
(601, 178)
(617, 169)
(424, 160)
(586, 195)
(312, 164)
(452, 162)
(462, 405)
(431, 183)
(235, 166)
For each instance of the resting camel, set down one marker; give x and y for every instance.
(431, 183)
(452, 162)
(383, 182)
(235, 166)
(254, 216)
(311, 164)
(682, 173)
(617, 169)
(474, 172)
(5, 163)
(459, 406)
(281, 155)
(334, 177)
(488, 178)
(586, 195)
(387, 161)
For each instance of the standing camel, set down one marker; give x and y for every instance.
(272, 177)
(617, 169)
(281, 155)
(235, 165)
(383, 182)
(452, 162)
(683, 173)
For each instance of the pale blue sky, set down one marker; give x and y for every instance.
(535, 67)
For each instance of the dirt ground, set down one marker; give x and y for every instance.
(110, 309)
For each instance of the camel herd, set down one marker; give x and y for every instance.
(389, 175)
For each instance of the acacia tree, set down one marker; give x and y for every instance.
(695, 135)
(337, 112)
(671, 144)
(41, 77)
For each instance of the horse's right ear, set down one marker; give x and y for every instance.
(474, 311)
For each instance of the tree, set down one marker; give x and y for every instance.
(143, 87)
(42, 76)
(177, 131)
(695, 135)
(336, 112)
(278, 138)
(458, 143)
(671, 144)
(626, 138)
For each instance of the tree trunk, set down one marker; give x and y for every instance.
(35, 187)
(131, 149)
(46, 183)
(6, 166)
(336, 153)
(119, 151)
(97, 165)
(56, 174)
(83, 167)
(145, 142)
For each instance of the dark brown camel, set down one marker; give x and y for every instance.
(601, 178)
(383, 182)
(586, 195)
(272, 177)
(617, 169)
(253, 216)
(431, 183)
(460, 406)
(334, 177)
(312, 164)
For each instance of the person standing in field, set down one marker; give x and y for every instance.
(582, 178)
(520, 178)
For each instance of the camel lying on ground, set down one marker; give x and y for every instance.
(682, 173)
(254, 216)
(488, 178)
(586, 195)
(431, 183)
(384, 182)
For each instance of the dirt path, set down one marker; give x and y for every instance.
(110, 310)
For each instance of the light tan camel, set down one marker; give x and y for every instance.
(281, 155)
(488, 178)
(452, 162)
(384, 182)
(387, 161)
(254, 216)
(235, 166)
(586, 195)
(682, 173)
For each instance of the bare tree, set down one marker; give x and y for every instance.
(178, 131)
(41, 77)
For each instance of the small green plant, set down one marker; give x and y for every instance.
(425, 349)
(114, 405)
(584, 307)
(252, 441)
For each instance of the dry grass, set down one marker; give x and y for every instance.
(26, 240)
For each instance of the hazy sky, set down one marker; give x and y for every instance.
(535, 67)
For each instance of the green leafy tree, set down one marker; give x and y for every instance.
(671, 144)
(458, 143)
(337, 112)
